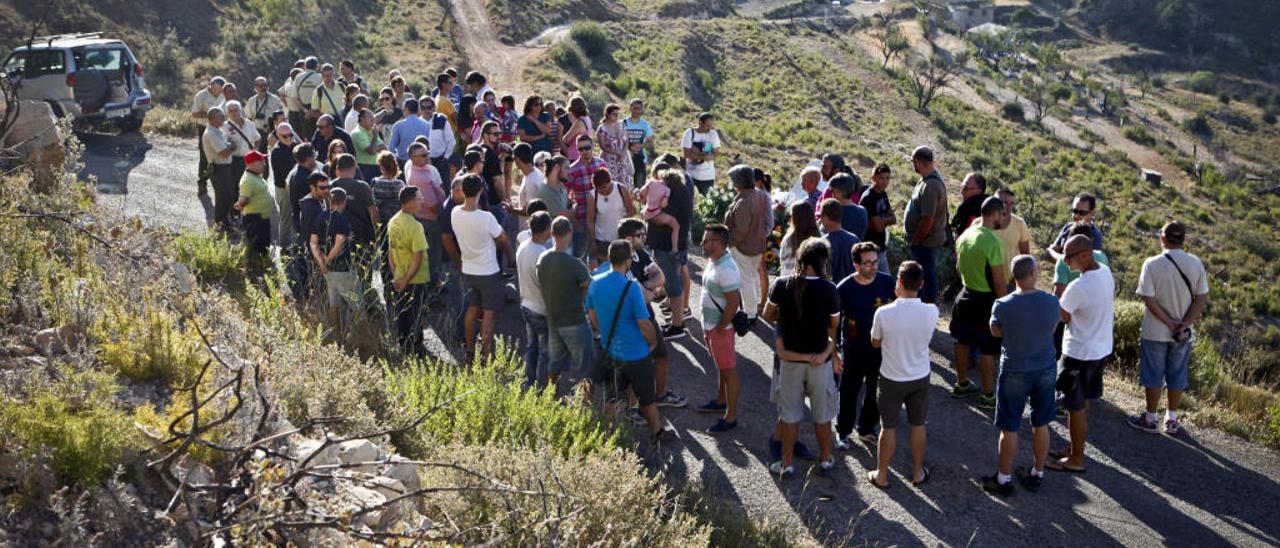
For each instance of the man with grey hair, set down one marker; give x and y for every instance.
(1088, 308)
(1024, 322)
(207, 98)
(1175, 288)
(259, 108)
(748, 231)
(217, 148)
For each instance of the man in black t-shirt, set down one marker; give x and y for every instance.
(973, 191)
(310, 207)
(880, 214)
(330, 245)
(361, 212)
(674, 262)
(653, 285)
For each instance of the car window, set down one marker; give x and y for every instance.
(103, 59)
(37, 63)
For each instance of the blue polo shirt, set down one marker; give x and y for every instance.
(603, 295)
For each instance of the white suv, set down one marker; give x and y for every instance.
(86, 76)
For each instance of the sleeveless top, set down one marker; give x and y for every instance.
(609, 212)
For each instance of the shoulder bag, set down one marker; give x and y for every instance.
(1183, 336)
(741, 322)
(606, 363)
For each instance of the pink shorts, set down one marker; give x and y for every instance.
(720, 344)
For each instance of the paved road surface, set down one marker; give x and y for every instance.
(1202, 488)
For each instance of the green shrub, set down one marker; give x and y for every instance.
(1269, 117)
(214, 259)
(76, 421)
(491, 409)
(1138, 135)
(711, 209)
(568, 56)
(141, 340)
(605, 499)
(591, 37)
(1203, 81)
(1198, 125)
(1128, 331)
(1012, 110)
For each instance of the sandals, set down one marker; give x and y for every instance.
(923, 479)
(871, 477)
(1058, 466)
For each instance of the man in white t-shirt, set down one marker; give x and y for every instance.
(532, 307)
(701, 145)
(902, 331)
(1088, 310)
(532, 181)
(1175, 288)
(479, 235)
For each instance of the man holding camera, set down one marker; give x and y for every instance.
(259, 108)
(1175, 288)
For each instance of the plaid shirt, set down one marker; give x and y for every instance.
(579, 184)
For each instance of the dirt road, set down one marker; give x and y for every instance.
(501, 63)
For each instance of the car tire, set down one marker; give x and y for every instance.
(130, 124)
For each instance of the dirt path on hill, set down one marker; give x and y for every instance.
(503, 64)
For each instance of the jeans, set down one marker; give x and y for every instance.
(535, 348)
(572, 348)
(670, 264)
(747, 266)
(928, 259)
(884, 263)
(861, 369)
(435, 250)
(1164, 363)
(284, 224)
(1013, 388)
(580, 241)
(408, 314)
(257, 233)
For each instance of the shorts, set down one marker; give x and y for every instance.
(703, 186)
(670, 264)
(660, 351)
(970, 321)
(486, 292)
(637, 375)
(720, 343)
(893, 395)
(1164, 364)
(1013, 388)
(796, 380)
(341, 286)
(1089, 385)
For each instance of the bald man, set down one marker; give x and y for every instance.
(1087, 307)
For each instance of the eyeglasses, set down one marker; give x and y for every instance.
(1081, 212)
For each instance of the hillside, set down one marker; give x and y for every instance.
(784, 92)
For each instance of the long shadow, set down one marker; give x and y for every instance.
(111, 158)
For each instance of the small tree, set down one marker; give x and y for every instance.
(926, 76)
(889, 37)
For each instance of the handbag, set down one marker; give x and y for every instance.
(606, 363)
(1183, 336)
(742, 323)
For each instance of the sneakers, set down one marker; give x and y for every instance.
(1172, 426)
(662, 435)
(722, 426)
(1145, 423)
(674, 332)
(987, 401)
(712, 407)
(783, 473)
(991, 484)
(843, 443)
(1029, 481)
(800, 451)
(827, 465)
(637, 418)
(671, 399)
(965, 390)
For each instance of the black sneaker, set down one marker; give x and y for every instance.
(992, 485)
(1029, 481)
(674, 332)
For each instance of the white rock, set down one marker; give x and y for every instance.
(363, 498)
(305, 448)
(403, 472)
(357, 451)
(196, 473)
(57, 340)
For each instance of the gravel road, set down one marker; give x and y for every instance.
(1202, 488)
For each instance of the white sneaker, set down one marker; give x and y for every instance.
(1172, 427)
(843, 443)
(828, 464)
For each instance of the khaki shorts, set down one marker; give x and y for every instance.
(342, 286)
(798, 380)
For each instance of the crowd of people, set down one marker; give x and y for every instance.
(455, 203)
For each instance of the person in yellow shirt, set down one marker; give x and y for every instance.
(407, 246)
(255, 206)
(1014, 237)
(328, 97)
(444, 85)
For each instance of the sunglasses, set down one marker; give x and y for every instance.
(286, 136)
(322, 187)
(1081, 212)
(582, 148)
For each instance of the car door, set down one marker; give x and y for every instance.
(42, 74)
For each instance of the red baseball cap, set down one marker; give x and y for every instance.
(254, 156)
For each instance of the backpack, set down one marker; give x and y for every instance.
(438, 121)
